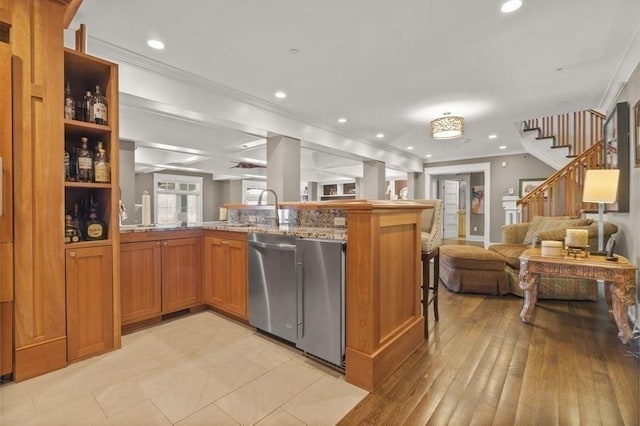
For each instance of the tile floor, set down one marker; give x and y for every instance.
(200, 369)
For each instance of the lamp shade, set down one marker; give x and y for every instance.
(447, 127)
(601, 186)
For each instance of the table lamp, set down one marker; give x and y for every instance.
(601, 186)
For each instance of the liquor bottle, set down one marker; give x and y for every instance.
(69, 104)
(87, 114)
(99, 107)
(70, 232)
(85, 162)
(94, 228)
(100, 165)
(75, 219)
(67, 166)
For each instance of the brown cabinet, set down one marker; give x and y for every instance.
(181, 274)
(225, 272)
(36, 119)
(159, 277)
(140, 280)
(89, 301)
(6, 210)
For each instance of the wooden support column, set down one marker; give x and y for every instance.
(384, 319)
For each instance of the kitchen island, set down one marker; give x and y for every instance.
(384, 322)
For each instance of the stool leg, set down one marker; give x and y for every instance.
(426, 266)
(436, 283)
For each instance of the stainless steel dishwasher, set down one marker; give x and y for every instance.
(296, 292)
(273, 292)
(321, 298)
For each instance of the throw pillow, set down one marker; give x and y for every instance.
(535, 224)
(557, 229)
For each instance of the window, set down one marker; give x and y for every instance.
(177, 198)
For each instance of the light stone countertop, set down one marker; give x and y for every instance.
(296, 231)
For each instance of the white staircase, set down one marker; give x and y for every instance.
(543, 149)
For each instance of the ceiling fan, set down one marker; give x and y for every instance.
(247, 165)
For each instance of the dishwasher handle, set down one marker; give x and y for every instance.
(300, 291)
(284, 247)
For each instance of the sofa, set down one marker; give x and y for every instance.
(519, 237)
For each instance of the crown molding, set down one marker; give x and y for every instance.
(630, 59)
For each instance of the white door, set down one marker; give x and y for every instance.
(450, 202)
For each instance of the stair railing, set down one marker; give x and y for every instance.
(576, 131)
(561, 193)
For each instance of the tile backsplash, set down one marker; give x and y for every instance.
(309, 218)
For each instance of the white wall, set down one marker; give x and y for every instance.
(628, 237)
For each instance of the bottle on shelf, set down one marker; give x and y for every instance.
(69, 104)
(67, 166)
(99, 107)
(87, 114)
(75, 219)
(94, 228)
(101, 166)
(70, 232)
(85, 162)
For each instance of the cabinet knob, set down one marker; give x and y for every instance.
(165, 243)
(72, 254)
(158, 243)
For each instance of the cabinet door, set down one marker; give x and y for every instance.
(6, 338)
(6, 146)
(181, 273)
(140, 280)
(215, 271)
(89, 301)
(237, 278)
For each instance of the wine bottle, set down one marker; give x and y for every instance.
(69, 104)
(101, 166)
(99, 107)
(85, 162)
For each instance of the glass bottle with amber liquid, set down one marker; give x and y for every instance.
(99, 107)
(94, 228)
(101, 166)
(84, 160)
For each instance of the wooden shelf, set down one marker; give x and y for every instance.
(89, 185)
(86, 126)
(87, 244)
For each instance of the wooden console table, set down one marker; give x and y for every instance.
(619, 278)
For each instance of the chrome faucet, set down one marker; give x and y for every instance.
(277, 219)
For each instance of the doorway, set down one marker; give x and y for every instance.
(435, 175)
(450, 201)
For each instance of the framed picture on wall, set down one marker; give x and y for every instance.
(611, 141)
(636, 127)
(527, 185)
(616, 152)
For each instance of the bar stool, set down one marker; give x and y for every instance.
(428, 299)
(431, 239)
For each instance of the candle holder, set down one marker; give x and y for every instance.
(577, 251)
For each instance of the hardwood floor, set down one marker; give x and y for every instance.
(482, 366)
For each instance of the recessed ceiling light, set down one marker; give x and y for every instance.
(342, 120)
(280, 95)
(502, 147)
(294, 51)
(156, 44)
(493, 136)
(380, 135)
(409, 148)
(428, 155)
(511, 6)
